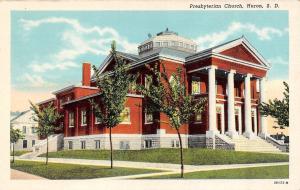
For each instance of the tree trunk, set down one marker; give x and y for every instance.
(181, 153)
(47, 152)
(13, 161)
(111, 149)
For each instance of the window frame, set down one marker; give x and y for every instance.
(126, 122)
(148, 122)
(96, 120)
(70, 145)
(82, 117)
(33, 130)
(71, 119)
(83, 145)
(148, 142)
(195, 119)
(97, 144)
(60, 103)
(173, 43)
(175, 143)
(198, 81)
(157, 44)
(24, 129)
(126, 145)
(133, 87)
(25, 142)
(147, 82)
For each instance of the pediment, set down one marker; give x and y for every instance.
(109, 62)
(240, 52)
(241, 49)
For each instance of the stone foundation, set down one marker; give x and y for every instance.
(197, 141)
(133, 142)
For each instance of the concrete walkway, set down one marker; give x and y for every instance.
(165, 167)
(16, 174)
(192, 168)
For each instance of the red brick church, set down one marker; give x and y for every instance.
(231, 75)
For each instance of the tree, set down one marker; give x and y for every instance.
(278, 109)
(47, 118)
(113, 88)
(169, 95)
(15, 135)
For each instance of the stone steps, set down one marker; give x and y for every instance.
(252, 145)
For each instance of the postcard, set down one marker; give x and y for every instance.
(149, 95)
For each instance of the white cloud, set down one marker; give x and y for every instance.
(30, 24)
(278, 60)
(77, 40)
(263, 33)
(43, 67)
(82, 32)
(36, 81)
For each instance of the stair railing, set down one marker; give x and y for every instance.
(281, 146)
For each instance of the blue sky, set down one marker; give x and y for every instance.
(48, 47)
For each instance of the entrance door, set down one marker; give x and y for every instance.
(219, 125)
(236, 122)
(252, 123)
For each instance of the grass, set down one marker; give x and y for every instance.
(268, 172)
(193, 156)
(20, 152)
(74, 171)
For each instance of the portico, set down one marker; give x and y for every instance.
(235, 112)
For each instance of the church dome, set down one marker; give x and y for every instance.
(167, 39)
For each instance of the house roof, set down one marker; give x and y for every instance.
(45, 101)
(16, 117)
(131, 56)
(137, 59)
(107, 60)
(71, 87)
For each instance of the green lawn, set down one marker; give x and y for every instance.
(74, 171)
(268, 172)
(194, 156)
(20, 152)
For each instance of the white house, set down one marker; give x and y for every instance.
(27, 126)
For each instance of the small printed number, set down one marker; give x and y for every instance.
(281, 182)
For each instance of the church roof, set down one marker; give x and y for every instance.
(186, 57)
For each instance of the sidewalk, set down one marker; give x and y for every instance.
(15, 174)
(158, 166)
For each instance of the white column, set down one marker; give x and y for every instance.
(230, 104)
(255, 120)
(247, 96)
(221, 107)
(240, 120)
(212, 101)
(263, 120)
